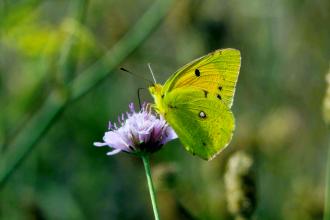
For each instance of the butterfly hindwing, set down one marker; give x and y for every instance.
(204, 124)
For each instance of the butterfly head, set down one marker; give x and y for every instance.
(156, 92)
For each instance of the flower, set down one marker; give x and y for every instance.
(140, 132)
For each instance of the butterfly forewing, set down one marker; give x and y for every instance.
(216, 74)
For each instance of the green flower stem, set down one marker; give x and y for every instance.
(146, 164)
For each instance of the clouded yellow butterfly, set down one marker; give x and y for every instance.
(196, 101)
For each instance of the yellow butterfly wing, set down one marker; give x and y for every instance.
(204, 124)
(215, 73)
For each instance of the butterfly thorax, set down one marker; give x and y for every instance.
(156, 92)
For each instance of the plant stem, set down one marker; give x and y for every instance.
(146, 164)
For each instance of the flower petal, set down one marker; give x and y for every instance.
(116, 151)
(169, 135)
(100, 144)
(131, 107)
(114, 140)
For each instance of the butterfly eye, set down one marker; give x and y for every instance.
(202, 114)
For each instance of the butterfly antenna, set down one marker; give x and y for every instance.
(136, 75)
(152, 73)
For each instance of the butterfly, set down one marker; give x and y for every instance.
(196, 101)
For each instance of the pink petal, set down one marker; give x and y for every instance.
(116, 151)
(100, 144)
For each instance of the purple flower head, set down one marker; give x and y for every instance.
(137, 132)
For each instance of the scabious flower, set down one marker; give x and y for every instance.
(137, 132)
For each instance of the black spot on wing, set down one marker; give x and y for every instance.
(197, 73)
(219, 96)
(205, 93)
(220, 88)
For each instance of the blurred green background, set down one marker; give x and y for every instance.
(60, 83)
